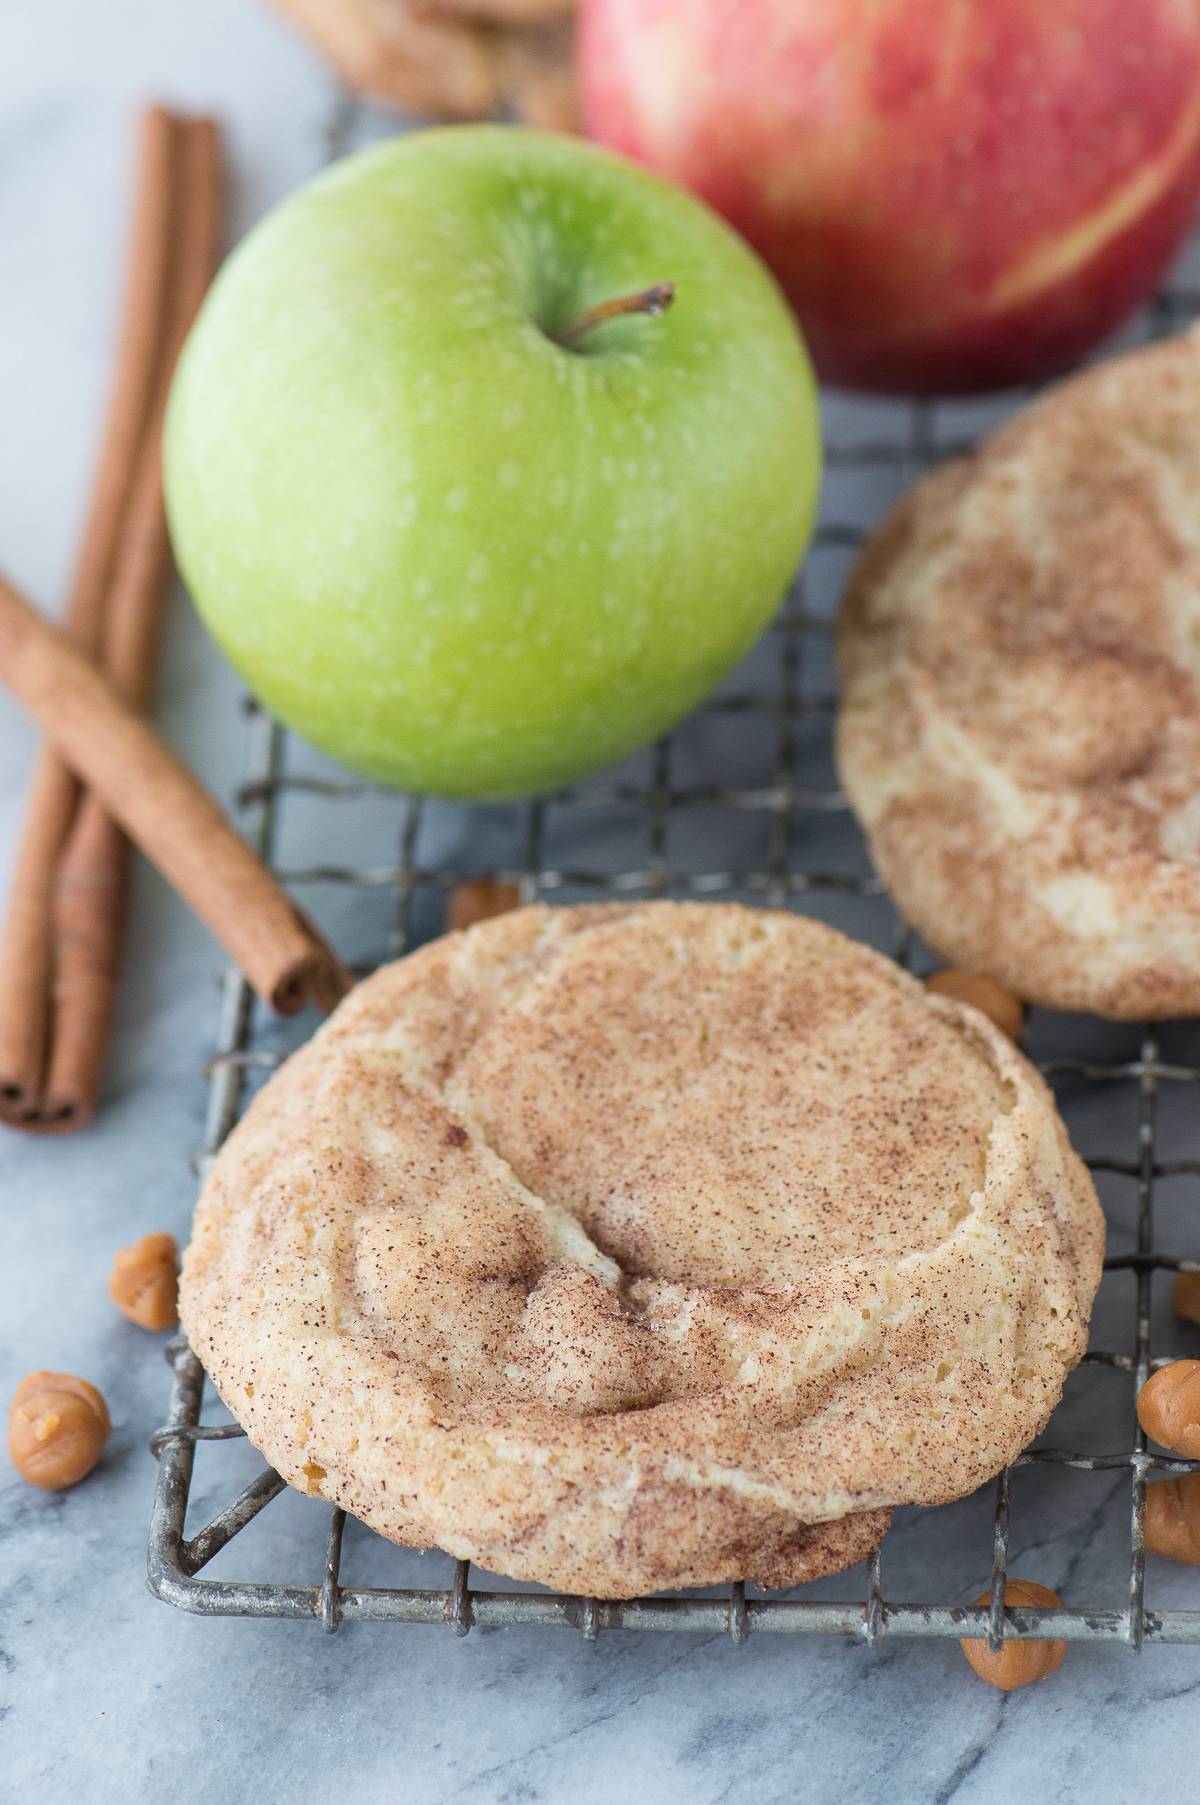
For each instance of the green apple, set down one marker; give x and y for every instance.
(461, 532)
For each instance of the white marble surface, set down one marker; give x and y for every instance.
(106, 1694)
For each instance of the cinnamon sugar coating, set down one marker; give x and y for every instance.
(1020, 726)
(631, 1247)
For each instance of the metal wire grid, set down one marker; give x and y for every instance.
(779, 799)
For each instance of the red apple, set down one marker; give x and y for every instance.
(956, 194)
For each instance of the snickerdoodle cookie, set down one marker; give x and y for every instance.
(1020, 725)
(631, 1247)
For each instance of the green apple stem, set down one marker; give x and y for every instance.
(653, 301)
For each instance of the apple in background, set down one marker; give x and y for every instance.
(955, 194)
(459, 531)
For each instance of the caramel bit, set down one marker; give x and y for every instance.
(1168, 1407)
(1173, 1519)
(1017, 1663)
(57, 1427)
(991, 999)
(1185, 1296)
(144, 1282)
(479, 899)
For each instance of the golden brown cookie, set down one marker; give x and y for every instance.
(631, 1247)
(451, 59)
(1020, 722)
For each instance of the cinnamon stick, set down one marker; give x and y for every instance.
(166, 811)
(93, 877)
(27, 945)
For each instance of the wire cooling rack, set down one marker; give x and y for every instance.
(740, 804)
